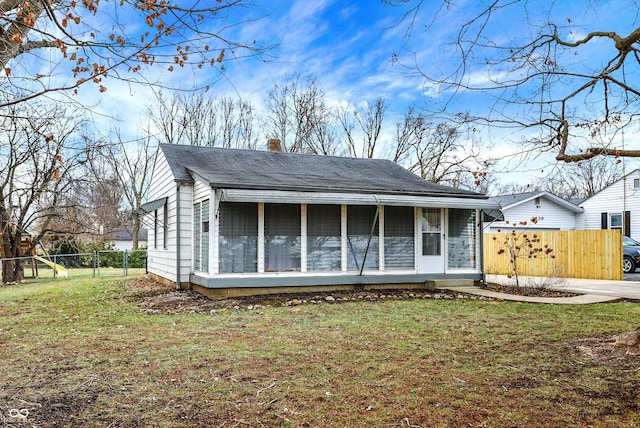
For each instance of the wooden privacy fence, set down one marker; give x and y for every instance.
(594, 254)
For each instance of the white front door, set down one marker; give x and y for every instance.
(431, 249)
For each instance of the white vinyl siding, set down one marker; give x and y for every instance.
(619, 197)
(163, 261)
(549, 215)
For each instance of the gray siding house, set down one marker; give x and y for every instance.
(230, 222)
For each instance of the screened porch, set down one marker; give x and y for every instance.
(267, 239)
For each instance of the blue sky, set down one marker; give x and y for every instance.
(348, 46)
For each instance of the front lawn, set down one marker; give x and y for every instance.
(86, 352)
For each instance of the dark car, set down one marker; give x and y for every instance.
(630, 254)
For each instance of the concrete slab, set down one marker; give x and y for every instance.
(621, 289)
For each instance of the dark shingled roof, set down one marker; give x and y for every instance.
(252, 169)
(513, 198)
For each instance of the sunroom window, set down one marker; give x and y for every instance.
(282, 237)
(360, 236)
(399, 249)
(462, 239)
(238, 237)
(201, 236)
(323, 238)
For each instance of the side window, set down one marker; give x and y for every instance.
(165, 227)
(155, 229)
(615, 221)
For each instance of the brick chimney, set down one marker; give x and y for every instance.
(274, 145)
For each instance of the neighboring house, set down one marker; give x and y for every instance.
(229, 221)
(122, 240)
(617, 206)
(550, 211)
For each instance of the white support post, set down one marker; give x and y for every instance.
(261, 237)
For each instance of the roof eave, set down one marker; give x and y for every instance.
(344, 190)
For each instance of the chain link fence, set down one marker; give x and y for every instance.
(87, 265)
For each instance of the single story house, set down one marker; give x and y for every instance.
(122, 240)
(617, 206)
(229, 222)
(550, 212)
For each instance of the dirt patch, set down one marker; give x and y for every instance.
(161, 299)
(534, 291)
(620, 349)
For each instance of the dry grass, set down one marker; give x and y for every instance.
(84, 353)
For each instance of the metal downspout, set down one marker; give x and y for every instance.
(177, 236)
(373, 226)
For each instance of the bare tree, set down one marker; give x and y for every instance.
(40, 154)
(92, 41)
(438, 152)
(362, 127)
(298, 115)
(132, 164)
(237, 119)
(202, 120)
(563, 84)
(581, 180)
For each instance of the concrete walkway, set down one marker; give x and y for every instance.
(620, 289)
(588, 290)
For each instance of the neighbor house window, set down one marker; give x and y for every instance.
(462, 239)
(282, 237)
(362, 237)
(399, 252)
(323, 237)
(615, 221)
(238, 237)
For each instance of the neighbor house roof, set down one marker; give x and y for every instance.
(252, 169)
(511, 200)
(125, 235)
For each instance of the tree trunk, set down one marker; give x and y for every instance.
(13, 268)
(135, 232)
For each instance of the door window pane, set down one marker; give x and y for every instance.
(360, 218)
(282, 237)
(462, 239)
(323, 237)
(431, 225)
(399, 250)
(238, 237)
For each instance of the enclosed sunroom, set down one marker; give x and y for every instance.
(246, 222)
